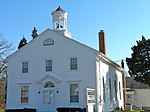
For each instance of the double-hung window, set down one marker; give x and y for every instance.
(115, 89)
(24, 94)
(120, 90)
(48, 65)
(103, 89)
(24, 67)
(110, 90)
(74, 93)
(73, 64)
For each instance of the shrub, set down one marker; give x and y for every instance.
(21, 110)
(64, 109)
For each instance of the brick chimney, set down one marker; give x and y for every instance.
(102, 42)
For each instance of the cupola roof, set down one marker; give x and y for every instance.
(59, 9)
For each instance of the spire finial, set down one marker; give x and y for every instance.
(59, 9)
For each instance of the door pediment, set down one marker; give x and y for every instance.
(48, 78)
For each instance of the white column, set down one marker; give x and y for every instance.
(90, 108)
(65, 24)
(97, 89)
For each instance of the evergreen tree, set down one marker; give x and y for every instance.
(139, 63)
(34, 33)
(22, 42)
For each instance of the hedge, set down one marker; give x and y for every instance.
(64, 109)
(21, 110)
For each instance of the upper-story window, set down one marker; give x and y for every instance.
(73, 64)
(24, 67)
(48, 65)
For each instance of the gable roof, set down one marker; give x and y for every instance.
(58, 35)
(131, 83)
(96, 52)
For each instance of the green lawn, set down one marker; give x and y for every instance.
(129, 111)
(2, 110)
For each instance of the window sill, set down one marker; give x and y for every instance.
(73, 70)
(24, 74)
(24, 103)
(74, 103)
(49, 71)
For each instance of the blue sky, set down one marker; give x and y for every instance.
(124, 21)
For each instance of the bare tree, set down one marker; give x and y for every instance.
(5, 49)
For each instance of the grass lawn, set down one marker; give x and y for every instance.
(130, 111)
(2, 110)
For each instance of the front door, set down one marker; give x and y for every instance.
(48, 100)
(48, 97)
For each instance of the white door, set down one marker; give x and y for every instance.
(48, 97)
(48, 100)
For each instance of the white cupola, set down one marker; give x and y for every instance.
(59, 21)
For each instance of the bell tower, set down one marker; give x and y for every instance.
(59, 21)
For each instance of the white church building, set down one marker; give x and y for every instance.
(54, 72)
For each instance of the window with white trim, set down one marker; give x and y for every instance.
(49, 84)
(24, 67)
(73, 64)
(120, 90)
(110, 90)
(74, 93)
(48, 65)
(24, 94)
(115, 89)
(103, 89)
